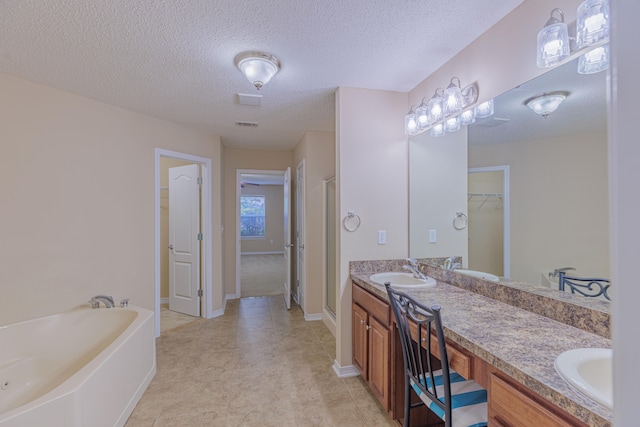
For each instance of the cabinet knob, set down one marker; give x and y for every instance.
(361, 321)
(368, 327)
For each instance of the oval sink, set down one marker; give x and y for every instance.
(588, 370)
(399, 279)
(478, 274)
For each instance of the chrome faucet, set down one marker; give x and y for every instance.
(451, 264)
(414, 268)
(106, 300)
(557, 271)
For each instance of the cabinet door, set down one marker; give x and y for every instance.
(379, 361)
(359, 338)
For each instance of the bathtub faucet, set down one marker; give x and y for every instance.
(107, 300)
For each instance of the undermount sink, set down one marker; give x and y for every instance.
(479, 274)
(399, 279)
(588, 370)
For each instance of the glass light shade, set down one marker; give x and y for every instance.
(468, 117)
(592, 22)
(546, 104)
(257, 67)
(452, 124)
(553, 44)
(594, 61)
(436, 112)
(484, 110)
(438, 130)
(452, 99)
(422, 116)
(410, 123)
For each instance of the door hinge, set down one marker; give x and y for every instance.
(199, 236)
(199, 180)
(199, 292)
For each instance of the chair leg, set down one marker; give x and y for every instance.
(407, 401)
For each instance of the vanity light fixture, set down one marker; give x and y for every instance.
(594, 61)
(592, 22)
(436, 109)
(468, 117)
(452, 124)
(553, 41)
(422, 115)
(484, 110)
(438, 130)
(547, 103)
(257, 67)
(410, 123)
(453, 98)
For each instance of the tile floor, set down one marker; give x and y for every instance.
(172, 319)
(258, 365)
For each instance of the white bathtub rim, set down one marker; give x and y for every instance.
(81, 376)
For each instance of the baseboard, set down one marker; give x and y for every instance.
(312, 317)
(263, 253)
(345, 371)
(164, 300)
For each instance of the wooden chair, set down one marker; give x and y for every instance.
(458, 402)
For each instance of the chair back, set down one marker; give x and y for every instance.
(587, 286)
(416, 348)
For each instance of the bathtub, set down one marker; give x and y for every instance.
(82, 367)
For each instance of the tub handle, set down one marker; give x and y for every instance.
(94, 303)
(124, 303)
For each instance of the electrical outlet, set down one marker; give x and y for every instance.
(382, 237)
(432, 236)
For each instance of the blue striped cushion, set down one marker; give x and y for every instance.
(468, 399)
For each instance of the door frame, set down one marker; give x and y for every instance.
(506, 213)
(239, 173)
(301, 270)
(206, 281)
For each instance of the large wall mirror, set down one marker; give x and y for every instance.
(557, 213)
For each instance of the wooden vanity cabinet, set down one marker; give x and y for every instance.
(371, 345)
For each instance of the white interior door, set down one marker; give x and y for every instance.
(184, 244)
(287, 238)
(300, 236)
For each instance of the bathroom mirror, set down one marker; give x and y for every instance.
(558, 179)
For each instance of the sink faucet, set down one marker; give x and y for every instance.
(107, 300)
(414, 268)
(450, 264)
(557, 271)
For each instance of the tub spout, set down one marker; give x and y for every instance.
(106, 300)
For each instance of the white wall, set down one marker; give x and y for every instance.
(624, 173)
(77, 200)
(372, 181)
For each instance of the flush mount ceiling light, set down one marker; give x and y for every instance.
(547, 103)
(257, 67)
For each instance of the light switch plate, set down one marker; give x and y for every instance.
(382, 237)
(432, 236)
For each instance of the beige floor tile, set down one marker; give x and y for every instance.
(257, 365)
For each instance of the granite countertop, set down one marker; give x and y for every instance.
(522, 344)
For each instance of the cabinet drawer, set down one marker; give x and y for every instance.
(510, 406)
(376, 307)
(458, 361)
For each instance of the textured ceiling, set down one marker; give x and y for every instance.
(174, 58)
(583, 111)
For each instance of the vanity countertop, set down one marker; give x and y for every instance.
(522, 344)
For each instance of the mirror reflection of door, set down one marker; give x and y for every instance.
(488, 220)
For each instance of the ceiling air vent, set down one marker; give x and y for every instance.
(248, 99)
(247, 124)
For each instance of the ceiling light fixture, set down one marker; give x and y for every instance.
(547, 103)
(257, 67)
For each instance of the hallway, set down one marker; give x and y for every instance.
(258, 365)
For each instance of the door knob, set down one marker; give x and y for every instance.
(170, 247)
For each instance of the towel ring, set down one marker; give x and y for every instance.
(351, 222)
(460, 221)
